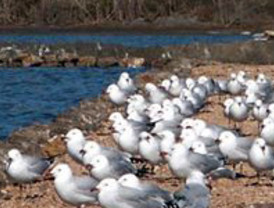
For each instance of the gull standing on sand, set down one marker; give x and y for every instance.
(128, 139)
(182, 162)
(25, 168)
(75, 142)
(101, 167)
(238, 110)
(74, 190)
(234, 87)
(176, 86)
(261, 156)
(113, 195)
(126, 84)
(149, 148)
(260, 110)
(267, 131)
(156, 95)
(235, 148)
(116, 95)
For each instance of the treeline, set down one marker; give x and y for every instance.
(71, 12)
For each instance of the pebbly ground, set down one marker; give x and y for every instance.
(91, 116)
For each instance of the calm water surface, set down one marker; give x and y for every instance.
(38, 95)
(139, 41)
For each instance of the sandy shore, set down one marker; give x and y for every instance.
(91, 116)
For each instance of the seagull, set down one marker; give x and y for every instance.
(74, 190)
(25, 168)
(156, 95)
(260, 110)
(235, 148)
(101, 167)
(113, 195)
(176, 86)
(128, 139)
(149, 148)
(238, 110)
(267, 131)
(261, 156)
(234, 87)
(125, 83)
(75, 141)
(116, 95)
(183, 162)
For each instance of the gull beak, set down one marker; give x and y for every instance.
(263, 149)
(217, 141)
(111, 128)
(188, 127)
(191, 149)
(89, 167)
(163, 154)
(82, 152)
(94, 189)
(154, 134)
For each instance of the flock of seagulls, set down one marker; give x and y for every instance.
(158, 127)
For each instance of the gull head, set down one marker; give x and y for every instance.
(226, 137)
(165, 84)
(108, 184)
(233, 76)
(74, 135)
(260, 142)
(14, 154)
(190, 83)
(115, 116)
(92, 147)
(61, 171)
(228, 102)
(202, 79)
(174, 78)
(112, 88)
(258, 103)
(199, 125)
(129, 180)
(198, 147)
(99, 162)
(124, 75)
(150, 87)
(187, 123)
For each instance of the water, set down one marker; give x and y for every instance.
(38, 95)
(139, 41)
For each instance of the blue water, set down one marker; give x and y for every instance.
(38, 95)
(140, 41)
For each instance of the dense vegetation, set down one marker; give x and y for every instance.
(71, 12)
